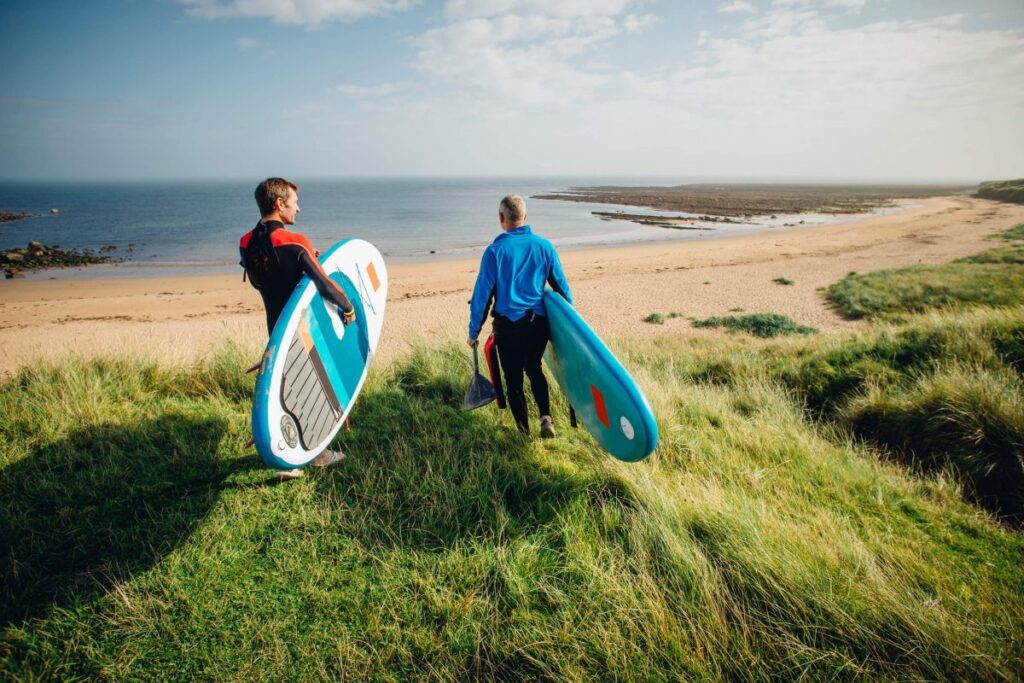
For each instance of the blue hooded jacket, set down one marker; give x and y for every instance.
(514, 270)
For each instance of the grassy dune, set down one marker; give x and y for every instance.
(782, 529)
(991, 278)
(1003, 190)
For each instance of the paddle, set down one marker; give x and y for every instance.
(480, 391)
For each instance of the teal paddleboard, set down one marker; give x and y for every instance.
(605, 397)
(314, 367)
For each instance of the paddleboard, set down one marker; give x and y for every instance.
(605, 397)
(314, 366)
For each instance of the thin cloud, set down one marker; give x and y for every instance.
(638, 22)
(854, 6)
(372, 91)
(737, 6)
(564, 9)
(246, 44)
(526, 52)
(793, 67)
(309, 13)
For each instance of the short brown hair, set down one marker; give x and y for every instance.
(270, 190)
(513, 208)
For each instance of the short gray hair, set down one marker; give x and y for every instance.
(513, 208)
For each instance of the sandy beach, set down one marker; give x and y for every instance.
(614, 288)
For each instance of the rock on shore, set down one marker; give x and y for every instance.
(37, 256)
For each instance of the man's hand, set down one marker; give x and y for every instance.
(347, 318)
(472, 342)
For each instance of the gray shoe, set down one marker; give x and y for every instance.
(547, 429)
(327, 458)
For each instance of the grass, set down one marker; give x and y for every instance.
(782, 281)
(942, 393)
(1003, 190)
(659, 319)
(145, 542)
(1011, 255)
(757, 324)
(1013, 234)
(992, 278)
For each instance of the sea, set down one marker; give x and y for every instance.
(170, 228)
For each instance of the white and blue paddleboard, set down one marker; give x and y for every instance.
(606, 399)
(314, 367)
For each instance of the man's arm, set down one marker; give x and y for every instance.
(556, 278)
(327, 287)
(480, 302)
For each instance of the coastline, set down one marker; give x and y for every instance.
(184, 317)
(651, 226)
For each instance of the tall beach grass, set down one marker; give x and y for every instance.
(782, 529)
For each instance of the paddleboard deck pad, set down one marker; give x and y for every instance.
(604, 395)
(314, 366)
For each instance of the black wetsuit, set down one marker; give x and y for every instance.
(295, 258)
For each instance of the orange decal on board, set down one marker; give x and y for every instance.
(599, 407)
(307, 339)
(374, 280)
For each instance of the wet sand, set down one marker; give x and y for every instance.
(182, 318)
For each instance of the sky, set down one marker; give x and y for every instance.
(897, 90)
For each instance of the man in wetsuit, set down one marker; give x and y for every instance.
(274, 272)
(275, 259)
(513, 272)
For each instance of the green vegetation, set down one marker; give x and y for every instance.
(1012, 255)
(1003, 190)
(831, 507)
(1014, 233)
(782, 281)
(757, 324)
(992, 278)
(655, 319)
(943, 393)
(145, 543)
(659, 319)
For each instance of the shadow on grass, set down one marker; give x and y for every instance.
(101, 505)
(424, 474)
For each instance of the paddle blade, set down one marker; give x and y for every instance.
(479, 393)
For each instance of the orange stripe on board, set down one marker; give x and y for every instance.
(374, 280)
(599, 407)
(307, 340)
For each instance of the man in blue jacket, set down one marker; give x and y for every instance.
(513, 272)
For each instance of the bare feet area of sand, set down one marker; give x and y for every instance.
(614, 288)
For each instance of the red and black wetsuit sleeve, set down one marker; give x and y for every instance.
(327, 287)
(295, 250)
(296, 258)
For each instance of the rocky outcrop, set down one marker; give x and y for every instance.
(37, 256)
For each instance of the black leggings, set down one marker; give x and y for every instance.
(520, 348)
